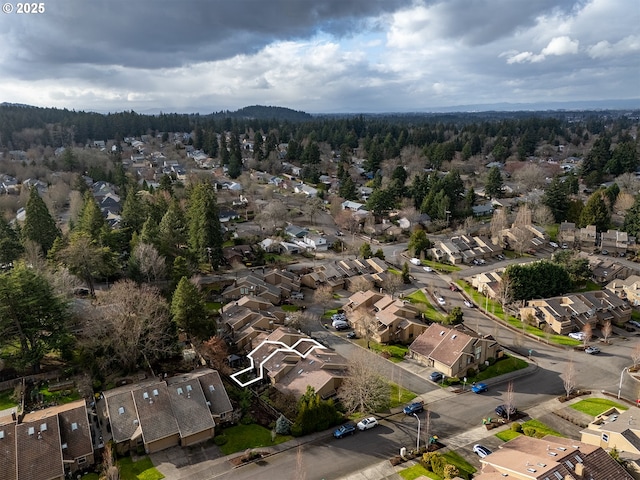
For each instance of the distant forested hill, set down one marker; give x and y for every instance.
(261, 112)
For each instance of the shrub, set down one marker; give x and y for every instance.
(482, 367)
(491, 360)
(437, 464)
(283, 426)
(529, 431)
(247, 420)
(516, 427)
(220, 440)
(471, 372)
(451, 471)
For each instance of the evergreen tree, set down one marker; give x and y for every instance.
(418, 242)
(91, 220)
(348, 189)
(596, 212)
(10, 246)
(365, 250)
(189, 311)
(39, 225)
(134, 213)
(235, 166)
(150, 232)
(205, 232)
(494, 186)
(556, 198)
(172, 231)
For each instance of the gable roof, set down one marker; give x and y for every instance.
(154, 411)
(441, 343)
(215, 393)
(8, 460)
(39, 456)
(189, 406)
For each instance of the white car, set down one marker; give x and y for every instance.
(367, 423)
(415, 261)
(576, 335)
(634, 323)
(467, 303)
(428, 269)
(554, 244)
(481, 450)
(441, 301)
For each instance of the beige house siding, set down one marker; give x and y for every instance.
(161, 444)
(197, 437)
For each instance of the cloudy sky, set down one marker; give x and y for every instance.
(319, 56)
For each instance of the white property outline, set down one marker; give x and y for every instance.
(287, 349)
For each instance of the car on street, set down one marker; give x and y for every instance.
(428, 269)
(453, 287)
(467, 303)
(436, 376)
(500, 257)
(441, 301)
(352, 335)
(565, 246)
(576, 335)
(367, 423)
(501, 410)
(592, 350)
(605, 252)
(344, 430)
(415, 407)
(554, 244)
(415, 261)
(479, 387)
(481, 450)
(341, 325)
(635, 323)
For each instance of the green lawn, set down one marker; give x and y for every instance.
(213, 306)
(507, 435)
(242, 437)
(143, 469)
(420, 298)
(590, 286)
(396, 399)
(441, 267)
(397, 352)
(453, 458)
(502, 366)
(541, 430)
(60, 397)
(6, 401)
(595, 406)
(290, 308)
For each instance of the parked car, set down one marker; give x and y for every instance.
(576, 335)
(341, 325)
(428, 269)
(565, 246)
(605, 252)
(415, 261)
(367, 423)
(635, 323)
(352, 335)
(344, 430)
(436, 376)
(481, 450)
(482, 261)
(592, 350)
(554, 244)
(501, 410)
(467, 303)
(500, 257)
(479, 387)
(297, 296)
(453, 287)
(415, 407)
(441, 301)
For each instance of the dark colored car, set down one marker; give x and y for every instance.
(453, 287)
(352, 335)
(501, 410)
(415, 407)
(436, 376)
(344, 430)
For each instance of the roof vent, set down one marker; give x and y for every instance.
(136, 421)
(121, 410)
(1, 434)
(211, 388)
(64, 446)
(74, 426)
(453, 336)
(532, 470)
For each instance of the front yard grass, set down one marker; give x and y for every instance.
(420, 298)
(395, 353)
(453, 458)
(596, 406)
(539, 430)
(441, 267)
(502, 366)
(242, 437)
(143, 469)
(6, 401)
(290, 308)
(399, 395)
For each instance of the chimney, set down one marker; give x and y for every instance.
(580, 470)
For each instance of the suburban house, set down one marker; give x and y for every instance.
(291, 362)
(47, 444)
(353, 206)
(604, 271)
(159, 414)
(487, 283)
(308, 190)
(482, 210)
(627, 289)
(251, 284)
(464, 249)
(567, 233)
(316, 242)
(614, 428)
(295, 232)
(452, 351)
(572, 312)
(552, 458)
(243, 320)
(615, 241)
(397, 320)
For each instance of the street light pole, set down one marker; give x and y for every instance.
(417, 439)
(620, 384)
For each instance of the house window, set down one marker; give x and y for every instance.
(74, 426)
(121, 410)
(211, 388)
(81, 460)
(605, 438)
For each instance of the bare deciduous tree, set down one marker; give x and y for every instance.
(110, 469)
(130, 323)
(529, 177)
(151, 263)
(569, 378)
(360, 284)
(498, 223)
(509, 399)
(302, 320)
(504, 292)
(607, 330)
(312, 207)
(623, 203)
(364, 389)
(587, 332)
(273, 216)
(635, 355)
(322, 296)
(392, 283)
(542, 215)
(215, 351)
(366, 324)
